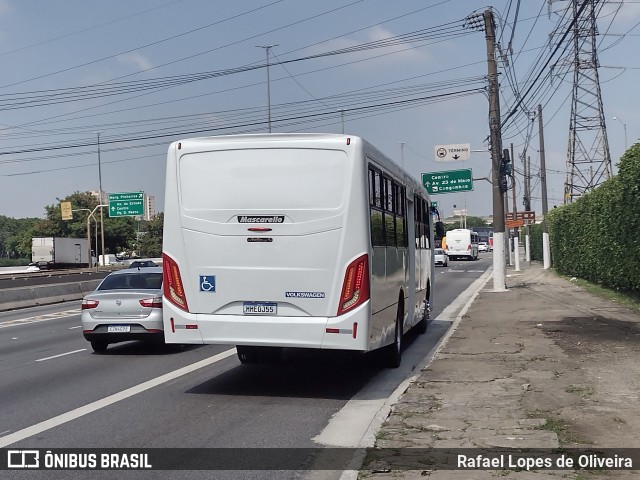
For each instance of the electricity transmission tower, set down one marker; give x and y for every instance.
(588, 158)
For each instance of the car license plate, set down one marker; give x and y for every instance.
(118, 328)
(260, 308)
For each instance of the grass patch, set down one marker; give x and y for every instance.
(630, 300)
(558, 426)
(584, 391)
(382, 435)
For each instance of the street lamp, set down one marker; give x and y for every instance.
(100, 202)
(266, 49)
(624, 125)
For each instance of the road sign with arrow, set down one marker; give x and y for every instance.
(454, 152)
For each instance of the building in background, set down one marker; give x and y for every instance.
(105, 197)
(149, 207)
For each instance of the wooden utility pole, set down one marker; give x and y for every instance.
(546, 252)
(499, 276)
(516, 230)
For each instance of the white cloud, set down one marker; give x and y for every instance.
(135, 58)
(395, 55)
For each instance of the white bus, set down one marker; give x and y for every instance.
(462, 243)
(293, 240)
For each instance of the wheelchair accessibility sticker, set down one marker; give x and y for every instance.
(207, 283)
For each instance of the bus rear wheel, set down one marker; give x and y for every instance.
(251, 354)
(394, 351)
(421, 326)
(247, 354)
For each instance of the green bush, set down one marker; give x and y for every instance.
(14, 262)
(597, 237)
(535, 241)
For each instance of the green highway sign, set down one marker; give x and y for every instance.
(126, 204)
(448, 182)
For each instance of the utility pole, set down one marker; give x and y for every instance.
(100, 202)
(402, 153)
(266, 49)
(527, 205)
(546, 253)
(507, 231)
(496, 156)
(516, 230)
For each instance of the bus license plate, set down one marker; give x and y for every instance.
(260, 308)
(118, 328)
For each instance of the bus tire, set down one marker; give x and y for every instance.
(394, 351)
(421, 326)
(247, 354)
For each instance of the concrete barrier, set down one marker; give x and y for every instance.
(13, 298)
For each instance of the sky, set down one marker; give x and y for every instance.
(406, 75)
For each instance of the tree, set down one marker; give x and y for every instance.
(150, 241)
(476, 222)
(471, 222)
(11, 235)
(119, 233)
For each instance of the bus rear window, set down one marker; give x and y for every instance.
(266, 179)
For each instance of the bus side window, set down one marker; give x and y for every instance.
(377, 185)
(377, 232)
(375, 208)
(401, 237)
(372, 190)
(426, 225)
(390, 229)
(417, 215)
(389, 222)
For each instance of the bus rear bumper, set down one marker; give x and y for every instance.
(347, 332)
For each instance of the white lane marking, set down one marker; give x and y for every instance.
(111, 399)
(464, 271)
(77, 326)
(40, 318)
(61, 355)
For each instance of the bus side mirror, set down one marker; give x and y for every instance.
(440, 230)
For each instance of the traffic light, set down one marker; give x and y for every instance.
(505, 170)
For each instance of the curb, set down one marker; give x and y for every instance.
(368, 439)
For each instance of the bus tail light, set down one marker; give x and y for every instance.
(468, 248)
(172, 281)
(355, 288)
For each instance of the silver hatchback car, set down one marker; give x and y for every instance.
(126, 305)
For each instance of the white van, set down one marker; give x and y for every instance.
(293, 240)
(462, 243)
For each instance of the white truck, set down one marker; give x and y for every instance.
(60, 252)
